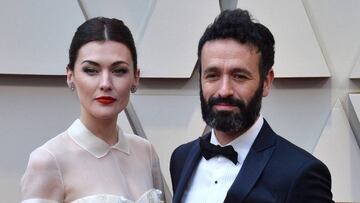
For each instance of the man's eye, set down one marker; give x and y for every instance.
(211, 76)
(120, 71)
(90, 71)
(240, 77)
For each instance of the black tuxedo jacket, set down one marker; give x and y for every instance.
(274, 170)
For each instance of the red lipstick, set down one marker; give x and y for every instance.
(105, 100)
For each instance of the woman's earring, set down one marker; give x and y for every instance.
(133, 89)
(71, 86)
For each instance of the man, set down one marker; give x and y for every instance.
(235, 59)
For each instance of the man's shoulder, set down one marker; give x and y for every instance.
(291, 153)
(292, 149)
(178, 160)
(296, 173)
(185, 148)
(284, 149)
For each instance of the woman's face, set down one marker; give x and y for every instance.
(103, 75)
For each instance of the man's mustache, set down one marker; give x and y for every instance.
(227, 100)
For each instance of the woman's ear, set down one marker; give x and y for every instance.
(136, 78)
(70, 78)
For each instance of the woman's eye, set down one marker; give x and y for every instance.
(120, 71)
(90, 71)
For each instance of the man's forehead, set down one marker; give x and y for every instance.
(251, 46)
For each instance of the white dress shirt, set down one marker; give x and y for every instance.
(213, 178)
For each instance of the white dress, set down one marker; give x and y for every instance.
(78, 167)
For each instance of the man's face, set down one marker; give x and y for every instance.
(231, 89)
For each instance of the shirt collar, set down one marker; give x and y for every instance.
(94, 145)
(243, 143)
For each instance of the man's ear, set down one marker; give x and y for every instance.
(268, 82)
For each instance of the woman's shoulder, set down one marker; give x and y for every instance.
(140, 145)
(136, 140)
(41, 159)
(42, 178)
(42, 170)
(59, 142)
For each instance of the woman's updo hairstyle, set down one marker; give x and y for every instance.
(101, 29)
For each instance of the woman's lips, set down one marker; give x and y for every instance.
(105, 100)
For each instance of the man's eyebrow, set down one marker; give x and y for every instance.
(211, 69)
(233, 70)
(241, 70)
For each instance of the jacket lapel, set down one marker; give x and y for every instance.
(190, 164)
(254, 163)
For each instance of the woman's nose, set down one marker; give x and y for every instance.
(105, 83)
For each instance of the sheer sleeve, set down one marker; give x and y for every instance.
(158, 179)
(156, 171)
(42, 181)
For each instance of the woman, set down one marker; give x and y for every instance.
(93, 160)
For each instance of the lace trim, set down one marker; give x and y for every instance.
(151, 196)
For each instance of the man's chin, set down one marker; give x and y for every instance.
(226, 111)
(227, 130)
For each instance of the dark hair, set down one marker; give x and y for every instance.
(101, 29)
(238, 25)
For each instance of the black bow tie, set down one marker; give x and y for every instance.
(209, 150)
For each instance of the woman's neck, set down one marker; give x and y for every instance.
(104, 129)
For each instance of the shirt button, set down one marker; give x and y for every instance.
(215, 181)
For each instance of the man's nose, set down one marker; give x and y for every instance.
(226, 88)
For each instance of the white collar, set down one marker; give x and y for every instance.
(243, 143)
(94, 145)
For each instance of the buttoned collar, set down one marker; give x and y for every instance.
(94, 145)
(242, 144)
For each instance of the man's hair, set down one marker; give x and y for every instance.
(238, 25)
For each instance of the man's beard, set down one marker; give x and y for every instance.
(228, 121)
